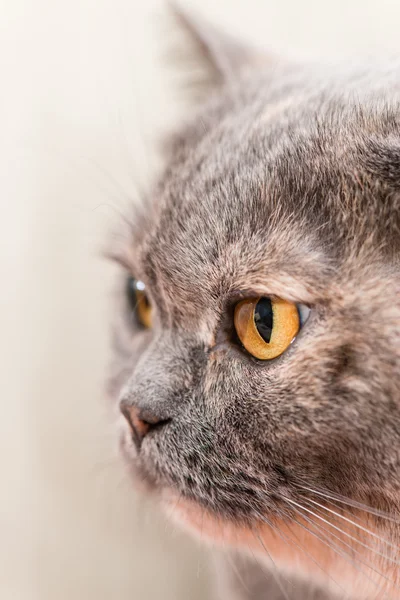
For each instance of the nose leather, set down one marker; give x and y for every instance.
(140, 422)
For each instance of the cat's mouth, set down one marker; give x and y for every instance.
(165, 473)
(188, 513)
(286, 538)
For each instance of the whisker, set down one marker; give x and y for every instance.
(237, 572)
(310, 556)
(342, 508)
(356, 525)
(349, 502)
(334, 546)
(313, 559)
(276, 529)
(118, 187)
(357, 552)
(274, 575)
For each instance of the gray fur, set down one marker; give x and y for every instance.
(287, 182)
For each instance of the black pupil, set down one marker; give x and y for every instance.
(264, 318)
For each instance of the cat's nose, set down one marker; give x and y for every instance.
(140, 421)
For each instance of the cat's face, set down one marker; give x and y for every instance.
(276, 191)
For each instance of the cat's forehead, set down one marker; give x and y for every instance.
(211, 240)
(285, 199)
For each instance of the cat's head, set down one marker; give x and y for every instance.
(283, 190)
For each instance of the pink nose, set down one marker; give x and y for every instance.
(139, 427)
(140, 422)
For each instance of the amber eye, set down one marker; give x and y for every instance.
(267, 326)
(138, 301)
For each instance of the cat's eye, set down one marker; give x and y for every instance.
(138, 301)
(267, 326)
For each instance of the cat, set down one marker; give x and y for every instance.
(257, 351)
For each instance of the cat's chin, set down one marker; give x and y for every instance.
(261, 540)
(141, 479)
(204, 524)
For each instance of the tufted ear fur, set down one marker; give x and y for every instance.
(212, 57)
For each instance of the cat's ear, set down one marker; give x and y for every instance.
(212, 57)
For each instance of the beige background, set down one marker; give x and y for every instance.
(83, 95)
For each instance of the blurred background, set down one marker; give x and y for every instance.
(85, 94)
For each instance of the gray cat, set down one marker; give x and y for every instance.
(258, 351)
